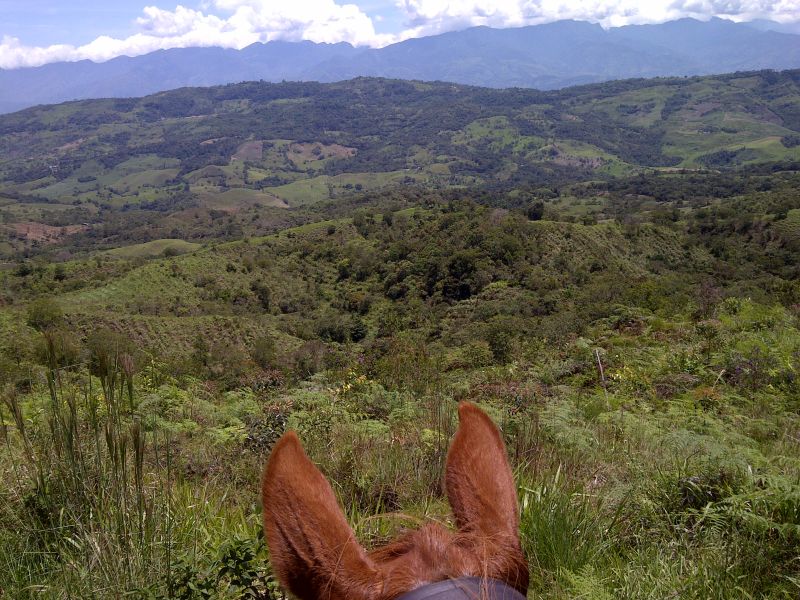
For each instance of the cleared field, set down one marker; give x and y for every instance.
(769, 148)
(238, 198)
(150, 178)
(310, 155)
(125, 177)
(325, 187)
(249, 151)
(38, 232)
(50, 213)
(154, 248)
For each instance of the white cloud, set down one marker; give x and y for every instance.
(432, 16)
(783, 11)
(315, 20)
(182, 21)
(238, 23)
(243, 23)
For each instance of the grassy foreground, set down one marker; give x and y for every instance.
(637, 341)
(656, 458)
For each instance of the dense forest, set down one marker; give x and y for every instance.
(611, 271)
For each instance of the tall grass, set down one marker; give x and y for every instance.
(95, 508)
(114, 491)
(91, 500)
(564, 530)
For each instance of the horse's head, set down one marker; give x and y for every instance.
(315, 553)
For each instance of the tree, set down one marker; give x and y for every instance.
(535, 210)
(44, 314)
(263, 293)
(264, 352)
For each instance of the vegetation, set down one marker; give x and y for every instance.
(634, 331)
(250, 159)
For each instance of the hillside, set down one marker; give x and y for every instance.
(663, 340)
(548, 56)
(200, 164)
(611, 271)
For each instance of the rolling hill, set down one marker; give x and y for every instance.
(611, 271)
(199, 162)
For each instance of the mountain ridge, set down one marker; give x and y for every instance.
(549, 56)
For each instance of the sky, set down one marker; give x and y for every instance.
(36, 32)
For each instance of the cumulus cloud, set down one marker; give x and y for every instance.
(315, 20)
(239, 23)
(426, 17)
(182, 21)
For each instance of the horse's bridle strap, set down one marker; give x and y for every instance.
(464, 588)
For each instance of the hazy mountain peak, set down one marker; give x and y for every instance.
(553, 55)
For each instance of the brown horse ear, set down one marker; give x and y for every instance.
(312, 548)
(478, 478)
(481, 491)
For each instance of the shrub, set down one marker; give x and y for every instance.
(264, 352)
(44, 314)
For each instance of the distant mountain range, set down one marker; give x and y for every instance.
(547, 56)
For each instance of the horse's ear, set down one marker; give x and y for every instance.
(478, 478)
(481, 491)
(312, 548)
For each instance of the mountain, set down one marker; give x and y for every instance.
(766, 25)
(161, 70)
(549, 56)
(566, 53)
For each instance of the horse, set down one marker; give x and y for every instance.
(315, 554)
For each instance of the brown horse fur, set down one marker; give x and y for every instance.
(315, 553)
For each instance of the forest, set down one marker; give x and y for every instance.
(610, 271)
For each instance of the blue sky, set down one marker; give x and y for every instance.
(47, 22)
(44, 22)
(35, 32)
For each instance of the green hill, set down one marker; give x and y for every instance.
(632, 325)
(224, 161)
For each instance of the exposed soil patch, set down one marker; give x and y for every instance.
(764, 113)
(71, 145)
(39, 232)
(300, 154)
(250, 151)
(703, 108)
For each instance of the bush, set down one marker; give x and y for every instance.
(264, 352)
(44, 314)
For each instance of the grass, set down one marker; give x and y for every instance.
(154, 249)
(150, 178)
(325, 187)
(563, 530)
(105, 513)
(236, 199)
(152, 491)
(789, 228)
(305, 191)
